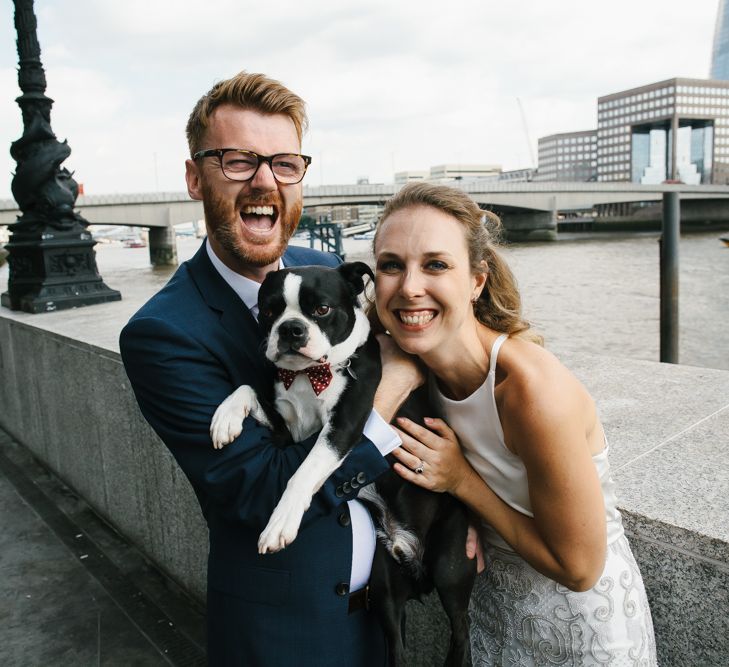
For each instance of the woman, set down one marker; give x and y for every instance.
(520, 444)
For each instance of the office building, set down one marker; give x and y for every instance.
(402, 177)
(462, 172)
(346, 215)
(720, 52)
(569, 156)
(636, 130)
(370, 214)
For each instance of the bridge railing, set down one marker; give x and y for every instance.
(329, 235)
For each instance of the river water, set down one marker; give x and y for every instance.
(600, 294)
(593, 293)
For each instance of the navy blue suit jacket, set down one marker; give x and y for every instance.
(184, 351)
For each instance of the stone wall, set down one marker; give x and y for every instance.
(71, 404)
(68, 400)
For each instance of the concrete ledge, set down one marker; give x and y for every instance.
(66, 398)
(668, 428)
(70, 403)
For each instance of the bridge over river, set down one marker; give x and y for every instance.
(529, 211)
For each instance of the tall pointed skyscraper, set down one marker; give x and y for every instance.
(720, 52)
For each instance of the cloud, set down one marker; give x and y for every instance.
(390, 85)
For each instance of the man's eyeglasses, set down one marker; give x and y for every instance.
(241, 165)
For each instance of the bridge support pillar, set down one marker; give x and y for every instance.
(531, 226)
(162, 246)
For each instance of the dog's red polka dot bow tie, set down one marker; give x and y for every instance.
(320, 377)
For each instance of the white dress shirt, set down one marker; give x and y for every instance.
(376, 429)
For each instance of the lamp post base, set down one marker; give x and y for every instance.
(54, 270)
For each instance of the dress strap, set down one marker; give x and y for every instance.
(495, 351)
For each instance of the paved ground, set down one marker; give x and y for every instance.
(72, 591)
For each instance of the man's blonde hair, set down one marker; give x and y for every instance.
(255, 92)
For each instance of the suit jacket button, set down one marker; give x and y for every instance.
(347, 487)
(361, 478)
(339, 493)
(344, 519)
(355, 484)
(342, 589)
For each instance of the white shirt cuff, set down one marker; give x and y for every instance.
(381, 434)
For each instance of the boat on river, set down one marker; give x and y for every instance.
(135, 243)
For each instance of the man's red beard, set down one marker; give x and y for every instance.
(224, 224)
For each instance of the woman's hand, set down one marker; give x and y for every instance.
(435, 451)
(438, 453)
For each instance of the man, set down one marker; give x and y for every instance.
(197, 340)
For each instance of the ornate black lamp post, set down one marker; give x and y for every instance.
(52, 258)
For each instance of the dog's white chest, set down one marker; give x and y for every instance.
(304, 412)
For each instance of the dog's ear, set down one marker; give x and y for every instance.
(352, 272)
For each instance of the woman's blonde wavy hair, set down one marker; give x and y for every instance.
(499, 305)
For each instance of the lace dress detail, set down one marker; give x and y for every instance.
(519, 616)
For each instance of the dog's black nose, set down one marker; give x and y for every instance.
(293, 333)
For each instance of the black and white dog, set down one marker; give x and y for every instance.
(328, 368)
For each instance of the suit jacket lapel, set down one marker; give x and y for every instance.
(235, 318)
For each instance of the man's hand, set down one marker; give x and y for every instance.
(401, 375)
(474, 548)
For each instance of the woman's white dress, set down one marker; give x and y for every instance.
(519, 616)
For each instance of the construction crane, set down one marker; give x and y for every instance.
(526, 133)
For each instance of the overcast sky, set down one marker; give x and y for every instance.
(390, 85)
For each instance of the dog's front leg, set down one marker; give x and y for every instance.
(342, 430)
(227, 422)
(283, 526)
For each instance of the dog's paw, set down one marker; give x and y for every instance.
(282, 529)
(227, 423)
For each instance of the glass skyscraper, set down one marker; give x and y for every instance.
(720, 52)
